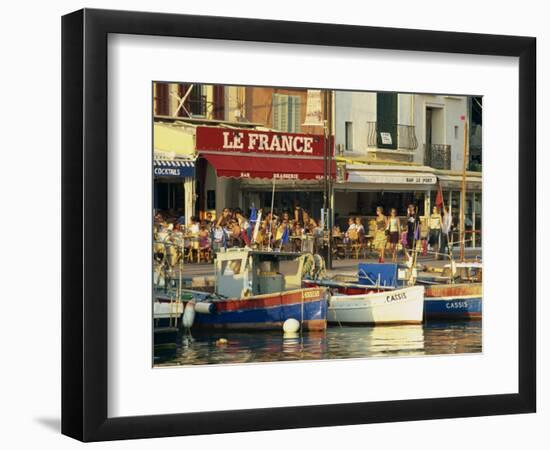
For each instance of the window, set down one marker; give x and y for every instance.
(231, 267)
(286, 113)
(195, 102)
(210, 199)
(456, 131)
(349, 136)
(169, 197)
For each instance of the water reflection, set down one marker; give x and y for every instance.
(433, 338)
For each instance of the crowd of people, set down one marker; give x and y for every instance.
(296, 230)
(286, 231)
(431, 233)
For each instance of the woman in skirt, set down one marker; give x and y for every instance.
(380, 237)
(394, 227)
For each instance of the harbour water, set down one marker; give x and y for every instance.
(431, 338)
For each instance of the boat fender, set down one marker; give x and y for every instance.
(291, 326)
(188, 315)
(204, 308)
(453, 268)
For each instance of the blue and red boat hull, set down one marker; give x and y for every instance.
(269, 312)
(453, 302)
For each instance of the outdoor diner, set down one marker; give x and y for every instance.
(294, 231)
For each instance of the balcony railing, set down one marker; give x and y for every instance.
(406, 136)
(437, 156)
(372, 133)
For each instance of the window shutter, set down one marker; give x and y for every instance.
(162, 107)
(290, 114)
(219, 102)
(283, 101)
(386, 119)
(275, 111)
(294, 114)
(280, 112)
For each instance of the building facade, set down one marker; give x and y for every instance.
(395, 149)
(229, 146)
(177, 109)
(286, 111)
(283, 150)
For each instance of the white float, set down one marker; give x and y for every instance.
(291, 326)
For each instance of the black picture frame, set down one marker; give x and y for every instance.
(84, 224)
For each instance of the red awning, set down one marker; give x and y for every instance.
(250, 166)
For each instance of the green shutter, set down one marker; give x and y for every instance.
(294, 111)
(290, 114)
(283, 100)
(280, 112)
(276, 113)
(386, 119)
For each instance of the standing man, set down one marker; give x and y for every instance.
(446, 227)
(435, 231)
(412, 230)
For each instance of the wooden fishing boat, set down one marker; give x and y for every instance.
(460, 298)
(399, 306)
(453, 293)
(457, 293)
(376, 303)
(259, 290)
(268, 311)
(458, 301)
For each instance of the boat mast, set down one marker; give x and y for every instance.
(328, 174)
(272, 215)
(463, 195)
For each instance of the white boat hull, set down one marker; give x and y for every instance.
(390, 307)
(167, 310)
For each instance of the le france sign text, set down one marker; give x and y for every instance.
(254, 141)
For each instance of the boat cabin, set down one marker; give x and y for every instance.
(469, 271)
(242, 272)
(454, 272)
(383, 274)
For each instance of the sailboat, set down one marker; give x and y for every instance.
(457, 293)
(383, 299)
